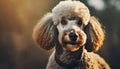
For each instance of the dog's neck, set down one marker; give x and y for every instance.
(67, 58)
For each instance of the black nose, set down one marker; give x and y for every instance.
(73, 36)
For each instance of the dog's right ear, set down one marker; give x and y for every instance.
(44, 32)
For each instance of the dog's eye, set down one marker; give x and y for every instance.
(79, 22)
(63, 21)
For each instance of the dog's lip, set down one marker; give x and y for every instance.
(72, 43)
(72, 47)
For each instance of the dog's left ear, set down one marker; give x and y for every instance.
(44, 32)
(95, 35)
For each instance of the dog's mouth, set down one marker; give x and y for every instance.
(72, 45)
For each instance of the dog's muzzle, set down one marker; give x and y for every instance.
(74, 40)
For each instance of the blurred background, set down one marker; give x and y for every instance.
(18, 18)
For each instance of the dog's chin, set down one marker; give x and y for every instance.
(72, 47)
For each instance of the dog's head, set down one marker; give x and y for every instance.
(71, 25)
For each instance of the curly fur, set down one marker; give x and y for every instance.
(49, 33)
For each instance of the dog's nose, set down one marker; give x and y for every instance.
(73, 36)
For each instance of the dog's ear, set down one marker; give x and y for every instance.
(95, 35)
(44, 32)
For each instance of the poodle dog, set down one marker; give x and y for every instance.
(75, 36)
